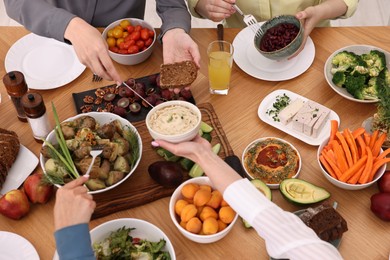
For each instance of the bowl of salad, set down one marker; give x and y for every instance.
(134, 239)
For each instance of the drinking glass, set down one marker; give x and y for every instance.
(220, 54)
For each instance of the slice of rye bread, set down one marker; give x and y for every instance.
(177, 75)
(13, 140)
(3, 174)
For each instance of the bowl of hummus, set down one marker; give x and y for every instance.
(271, 160)
(174, 121)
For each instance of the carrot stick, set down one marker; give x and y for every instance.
(362, 145)
(351, 143)
(383, 154)
(327, 167)
(347, 152)
(374, 137)
(331, 155)
(334, 126)
(367, 138)
(354, 179)
(341, 161)
(332, 165)
(377, 165)
(354, 169)
(364, 177)
(358, 132)
(378, 144)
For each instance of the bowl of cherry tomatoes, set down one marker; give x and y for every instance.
(130, 41)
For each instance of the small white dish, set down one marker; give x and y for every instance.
(267, 104)
(23, 166)
(256, 65)
(357, 49)
(46, 63)
(16, 247)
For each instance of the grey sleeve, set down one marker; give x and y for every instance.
(39, 17)
(174, 14)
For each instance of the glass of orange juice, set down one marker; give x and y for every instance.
(220, 54)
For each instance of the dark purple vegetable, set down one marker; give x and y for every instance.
(168, 174)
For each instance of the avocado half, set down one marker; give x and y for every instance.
(262, 187)
(302, 192)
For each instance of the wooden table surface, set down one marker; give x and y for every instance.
(367, 238)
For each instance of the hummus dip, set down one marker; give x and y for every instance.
(271, 160)
(173, 120)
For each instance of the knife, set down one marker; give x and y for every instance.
(220, 35)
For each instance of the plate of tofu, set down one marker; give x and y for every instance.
(297, 116)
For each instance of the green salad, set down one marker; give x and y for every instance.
(121, 245)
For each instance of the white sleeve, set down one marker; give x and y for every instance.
(285, 235)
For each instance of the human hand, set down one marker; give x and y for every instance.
(73, 204)
(215, 10)
(91, 49)
(191, 149)
(179, 46)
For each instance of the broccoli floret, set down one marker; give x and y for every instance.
(343, 61)
(339, 78)
(385, 74)
(376, 62)
(360, 71)
(355, 85)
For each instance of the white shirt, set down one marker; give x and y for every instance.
(285, 235)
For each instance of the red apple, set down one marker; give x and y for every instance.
(14, 204)
(384, 182)
(36, 190)
(380, 205)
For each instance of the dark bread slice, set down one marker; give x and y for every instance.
(326, 222)
(12, 148)
(177, 75)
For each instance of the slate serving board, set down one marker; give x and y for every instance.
(140, 188)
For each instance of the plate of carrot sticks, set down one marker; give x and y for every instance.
(353, 159)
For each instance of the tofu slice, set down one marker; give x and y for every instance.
(301, 118)
(290, 111)
(319, 125)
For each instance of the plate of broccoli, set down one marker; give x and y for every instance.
(357, 72)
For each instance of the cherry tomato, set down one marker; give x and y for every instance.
(148, 42)
(151, 33)
(110, 33)
(131, 42)
(111, 42)
(114, 49)
(123, 51)
(133, 49)
(130, 28)
(117, 33)
(140, 43)
(138, 28)
(124, 23)
(122, 46)
(125, 34)
(144, 34)
(135, 35)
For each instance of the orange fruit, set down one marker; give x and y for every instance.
(226, 214)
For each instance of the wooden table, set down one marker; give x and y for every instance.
(367, 238)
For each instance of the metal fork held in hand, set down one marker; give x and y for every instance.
(249, 20)
(96, 78)
(95, 152)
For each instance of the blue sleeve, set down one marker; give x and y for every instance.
(74, 243)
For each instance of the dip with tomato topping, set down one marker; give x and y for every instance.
(271, 160)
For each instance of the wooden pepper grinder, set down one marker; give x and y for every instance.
(16, 87)
(35, 110)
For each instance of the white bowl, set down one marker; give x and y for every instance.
(357, 49)
(101, 118)
(176, 138)
(143, 230)
(203, 239)
(252, 144)
(344, 185)
(131, 59)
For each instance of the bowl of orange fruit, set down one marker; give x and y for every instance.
(130, 41)
(199, 211)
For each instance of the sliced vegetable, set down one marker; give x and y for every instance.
(205, 127)
(302, 192)
(167, 155)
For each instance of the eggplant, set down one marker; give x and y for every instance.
(167, 174)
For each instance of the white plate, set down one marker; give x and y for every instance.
(15, 247)
(357, 49)
(46, 63)
(23, 166)
(267, 104)
(253, 63)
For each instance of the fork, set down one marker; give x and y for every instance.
(95, 152)
(250, 21)
(96, 78)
